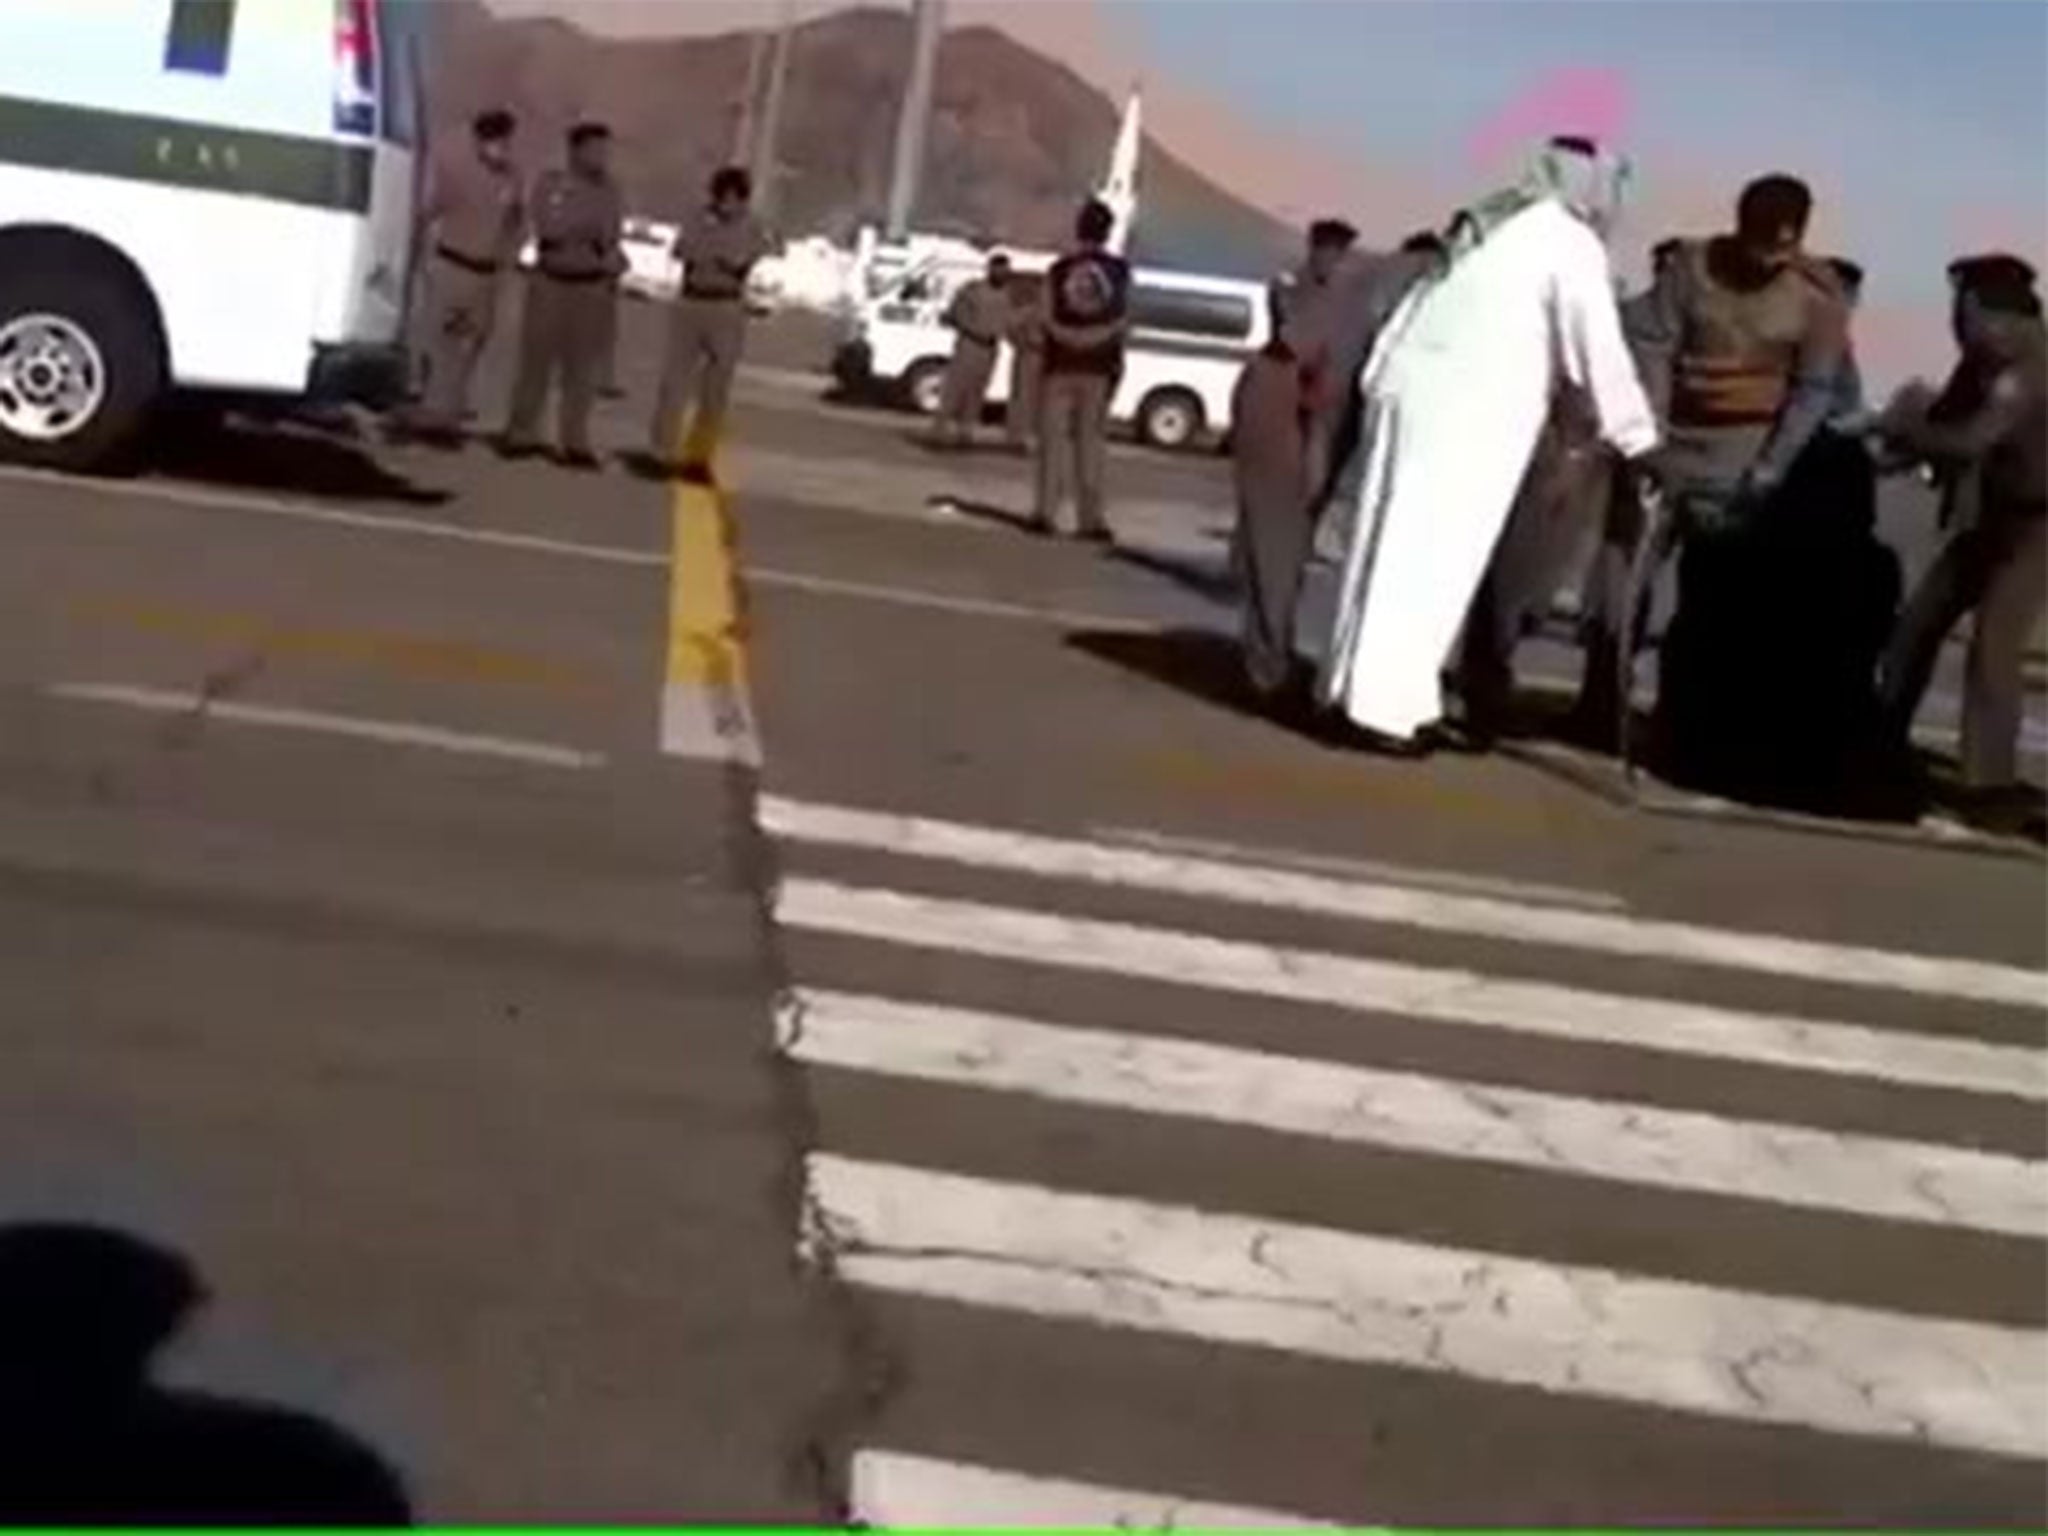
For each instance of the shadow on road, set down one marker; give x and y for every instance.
(86, 1437)
(1192, 661)
(328, 463)
(1214, 582)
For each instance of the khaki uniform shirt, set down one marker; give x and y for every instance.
(577, 223)
(717, 254)
(475, 212)
(980, 312)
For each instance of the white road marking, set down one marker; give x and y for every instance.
(574, 549)
(1440, 995)
(709, 724)
(204, 499)
(943, 602)
(1519, 921)
(893, 1491)
(1365, 869)
(1635, 1144)
(392, 732)
(1350, 1296)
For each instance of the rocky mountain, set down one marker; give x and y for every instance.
(1016, 138)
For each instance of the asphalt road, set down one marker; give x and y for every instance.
(1046, 1091)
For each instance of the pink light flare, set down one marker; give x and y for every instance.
(1591, 102)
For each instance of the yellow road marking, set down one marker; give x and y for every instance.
(1416, 787)
(706, 701)
(414, 655)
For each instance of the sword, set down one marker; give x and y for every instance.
(1642, 565)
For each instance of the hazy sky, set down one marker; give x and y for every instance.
(1922, 124)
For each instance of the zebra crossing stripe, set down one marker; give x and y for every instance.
(894, 1491)
(1438, 995)
(1573, 1330)
(1520, 921)
(1629, 1143)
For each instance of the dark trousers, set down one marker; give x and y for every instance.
(561, 331)
(1275, 520)
(1073, 427)
(1563, 494)
(1997, 569)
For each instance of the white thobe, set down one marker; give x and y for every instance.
(1456, 393)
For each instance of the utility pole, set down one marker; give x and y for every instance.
(745, 131)
(927, 21)
(766, 162)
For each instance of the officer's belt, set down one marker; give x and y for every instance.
(556, 275)
(475, 264)
(713, 295)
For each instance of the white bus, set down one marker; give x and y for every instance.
(1190, 336)
(212, 195)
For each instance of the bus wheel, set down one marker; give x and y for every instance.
(925, 385)
(80, 368)
(1170, 418)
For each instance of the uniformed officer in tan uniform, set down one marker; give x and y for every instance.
(978, 315)
(1025, 331)
(1087, 312)
(718, 247)
(576, 217)
(1740, 342)
(471, 223)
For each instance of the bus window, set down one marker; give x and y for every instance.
(1190, 312)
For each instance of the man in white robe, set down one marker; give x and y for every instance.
(1455, 395)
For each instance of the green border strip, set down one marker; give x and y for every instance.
(162, 151)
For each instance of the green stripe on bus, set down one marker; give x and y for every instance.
(93, 141)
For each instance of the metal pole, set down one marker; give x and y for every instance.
(907, 170)
(767, 160)
(744, 132)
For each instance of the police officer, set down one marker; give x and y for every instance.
(1025, 331)
(1740, 342)
(471, 222)
(718, 247)
(576, 217)
(1087, 311)
(1988, 435)
(1295, 427)
(978, 316)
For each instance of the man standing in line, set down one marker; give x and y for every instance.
(718, 247)
(1087, 315)
(1294, 423)
(472, 222)
(1025, 331)
(978, 316)
(576, 216)
(1993, 431)
(1306, 312)
(1740, 344)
